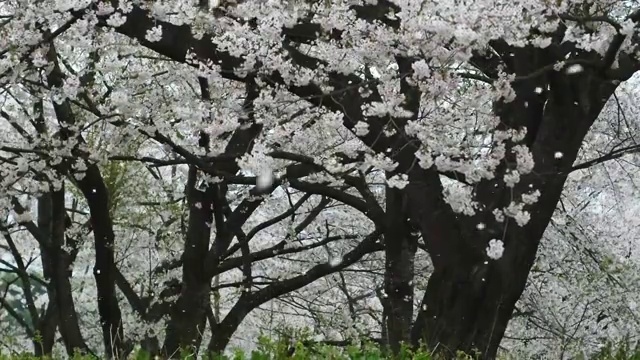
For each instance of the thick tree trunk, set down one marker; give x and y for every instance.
(56, 263)
(400, 249)
(188, 321)
(470, 298)
(467, 305)
(188, 317)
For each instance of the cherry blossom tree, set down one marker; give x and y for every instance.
(90, 148)
(450, 126)
(580, 294)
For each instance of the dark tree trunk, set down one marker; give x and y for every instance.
(400, 249)
(56, 263)
(93, 187)
(188, 316)
(468, 305)
(470, 298)
(47, 330)
(187, 322)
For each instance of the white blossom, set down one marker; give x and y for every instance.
(398, 181)
(495, 249)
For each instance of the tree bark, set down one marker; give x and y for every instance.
(56, 262)
(94, 190)
(188, 316)
(400, 249)
(47, 326)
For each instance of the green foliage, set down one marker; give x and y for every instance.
(284, 349)
(624, 351)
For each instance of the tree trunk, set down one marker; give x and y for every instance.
(94, 190)
(56, 262)
(188, 317)
(187, 322)
(400, 249)
(47, 330)
(470, 298)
